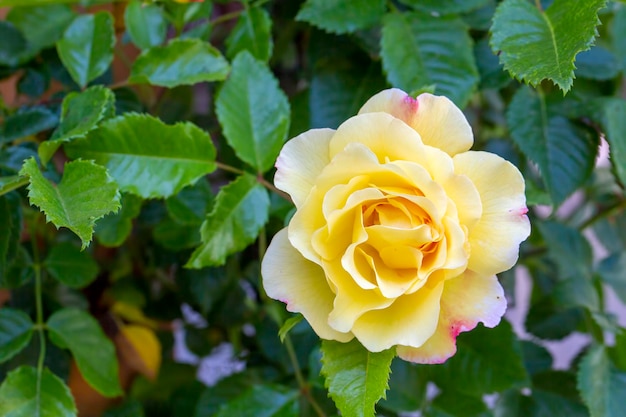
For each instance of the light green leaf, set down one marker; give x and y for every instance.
(69, 265)
(240, 212)
(342, 16)
(21, 395)
(113, 229)
(356, 378)
(10, 183)
(85, 194)
(13, 44)
(263, 401)
(254, 112)
(94, 353)
(81, 112)
(86, 48)
(253, 33)
(447, 6)
(564, 152)
(27, 122)
(10, 229)
(420, 50)
(182, 61)
(147, 157)
(601, 385)
(16, 330)
(615, 126)
(535, 45)
(145, 23)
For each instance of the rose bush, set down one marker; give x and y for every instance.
(399, 228)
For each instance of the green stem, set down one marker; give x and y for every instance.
(225, 17)
(39, 323)
(228, 168)
(607, 212)
(305, 389)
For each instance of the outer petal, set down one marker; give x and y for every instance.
(495, 238)
(300, 162)
(439, 122)
(465, 301)
(301, 284)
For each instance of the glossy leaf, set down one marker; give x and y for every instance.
(535, 45)
(67, 264)
(42, 25)
(253, 33)
(93, 352)
(10, 230)
(86, 48)
(16, 330)
(254, 112)
(263, 401)
(85, 194)
(342, 16)
(182, 61)
(439, 54)
(21, 395)
(147, 157)
(113, 229)
(27, 122)
(239, 213)
(356, 378)
(145, 23)
(601, 385)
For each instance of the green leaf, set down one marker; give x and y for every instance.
(182, 61)
(94, 353)
(10, 230)
(491, 72)
(263, 401)
(254, 112)
(13, 44)
(240, 212)
(420, 50)
(615, 126)
(80, 113)
(454, 404)
(69, 265)
(23, 395)
(601, 385)
(175, 237)
(147, 157)
(27, 122)
(288, 325)
(16, 330)
(145, 23)
(535, 45)
(342, 16)
(618, 29)
(253, 33)
(536, 357)
(612, 270)
(567, 247)
(446, 7)
(113, 229)
(512, 403)
(191, 205)
(407, 387)
(564, 152)
(86, 48)
(85, 194)
(597, 63)
(356, 378)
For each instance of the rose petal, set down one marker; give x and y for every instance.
(465, 301)
(495, 239)
(301, 284)
(300, 162)
(438, 121)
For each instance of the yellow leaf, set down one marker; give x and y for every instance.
(140, 349)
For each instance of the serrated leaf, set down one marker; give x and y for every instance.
(13, 44)
(601, 385)
(240, 211)
(535, 45)
(16, 330)
(67, 264)
(263, 401)
(181, 61)
(21, 395)
(147, 157)
(85, 194)
(26, 122)
(93, 352)
(356, 378)
(80, 113)
(113, 229)
(254, 112)
(10, 229)
(253, 33)
(446, 7)
(420, 50)
(342, 16)
(564, 152)
(615, 125)
(86, 48)
(145, 23)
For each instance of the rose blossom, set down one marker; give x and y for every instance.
(399, 228)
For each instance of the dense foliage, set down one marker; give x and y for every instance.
(137, 148)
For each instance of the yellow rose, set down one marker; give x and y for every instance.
(399, 228)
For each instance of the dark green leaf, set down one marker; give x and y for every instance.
(182, 61)
(491, 71)
(174, 236)
(69, 265)
(13, 44)
(619, 40)
(615, 126)
(253, 33)
(540, 404)
(342, 16)
(549, 321)
(536, 357)
(446, 7)
(407, 387)
(601, 385)
(35, 81)
(356, 378)
(145, 24)
(612, 270)
(263, 401)
(240, 212)
(454, 404)
(86, 48)
(420, 50)
(85, 194)
(26, 122)
(16, 330)
(191, 205)
(534, 44)
(22, 395)
(94, 353)
(567, 247)
(113, 229)
(147, 157)
(10, 229)
(254, 112)
(597, 63)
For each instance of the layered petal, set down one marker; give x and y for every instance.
(438, 121)
(301, 284)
